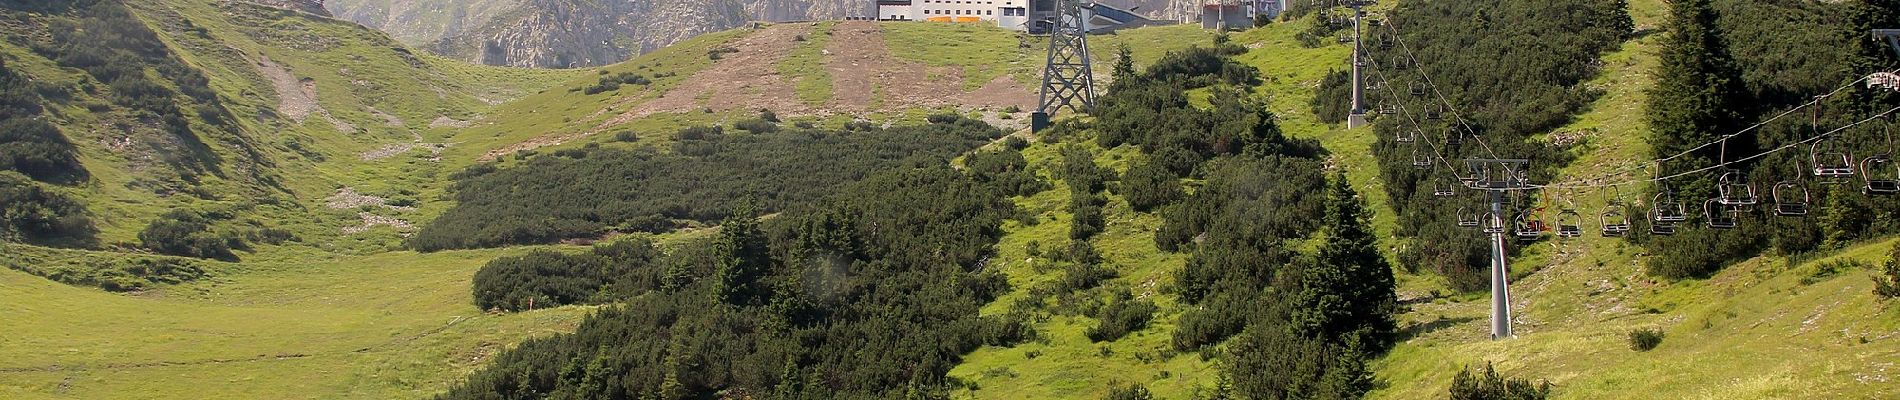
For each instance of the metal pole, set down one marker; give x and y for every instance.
(1357, 116)
(1500, 276)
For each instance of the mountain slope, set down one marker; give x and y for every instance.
(574, 33)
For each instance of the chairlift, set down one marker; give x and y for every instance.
(1829, 157)
(1880, 175)
(1388, 109)
(1405, 136)
(1418, 89)
(1667, 210)
(1569, 224)
(1454, 137)
(1441, 188)
(1614, 221)
(1791, 199)
(1493, 223)
(1734, 189)
(1662, 229)
(1720, 216)
(1420, 159)
(1528, 226)
(1435, 112)
(1468, 218)
(1400, 64)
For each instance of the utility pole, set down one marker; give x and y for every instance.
(1067, 78)
(1357, 116)
(1497, 178)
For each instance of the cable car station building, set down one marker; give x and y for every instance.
(1031, 16)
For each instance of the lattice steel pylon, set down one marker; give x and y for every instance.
(1068, 80)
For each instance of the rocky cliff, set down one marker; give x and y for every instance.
(579, 33)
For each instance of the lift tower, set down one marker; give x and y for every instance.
(1357, 116)
(1497, 178)
(1067, 79)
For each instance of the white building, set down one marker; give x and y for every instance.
(1032, 16)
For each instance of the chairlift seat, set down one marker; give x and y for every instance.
(1722, 217)
(1662, 229)
(1791, 209)
(1881, 187)
(1786, 204)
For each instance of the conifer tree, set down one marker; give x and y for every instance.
(1348, 291)
(743, 258)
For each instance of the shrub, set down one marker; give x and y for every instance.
(1080, 276)
(1122, 316)
(1488, 385)
(1148, 185)
(626, 136)
(546, 279)
(188, 234)
(33, 213)
(1131, 391)
(1645, 339)
(758, 126)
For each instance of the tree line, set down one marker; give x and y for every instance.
(590, 191)
(872, 292)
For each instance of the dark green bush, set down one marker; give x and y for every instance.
(1123, 315)
(548, 279)
(758, 126)
(1148, 185)
(1887, 280)
(1488, 385)
(609, 83)
(1130, 391)
(1645, 339)
(32, 213)
(189, 233)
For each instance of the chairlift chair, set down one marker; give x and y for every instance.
(1720, 216)
(1528, 226)
(1420, 160)
(1787, 203)
(1830, 161)
(1435, 112)
(1468, 218)
(1662, 229)
(1400, 64)
(1388, 109)
(1880, 175)
(1454, 137)
(1418, 89)
(1440, 188)
(1735, 190)
(1667, 210)
(1493, 223)
(1569, 224)
(1614, 222)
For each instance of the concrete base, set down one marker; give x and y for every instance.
(1038, 121)
(1355, 121)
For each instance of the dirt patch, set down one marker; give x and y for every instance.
(296, 99)
(866, 77)
(396, 149)
(446, 122)
(348, 198)
(388, 120)
(746, 78)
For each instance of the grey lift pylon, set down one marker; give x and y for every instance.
(1892, 36)
(1498, 177)
(1356, 117)
(1067, 79)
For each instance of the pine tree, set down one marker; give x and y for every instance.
(1698, 93)
(1348, 290)
(1124, 63)
(743, 259)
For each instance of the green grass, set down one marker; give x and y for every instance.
(981, 52)
(806, 66)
